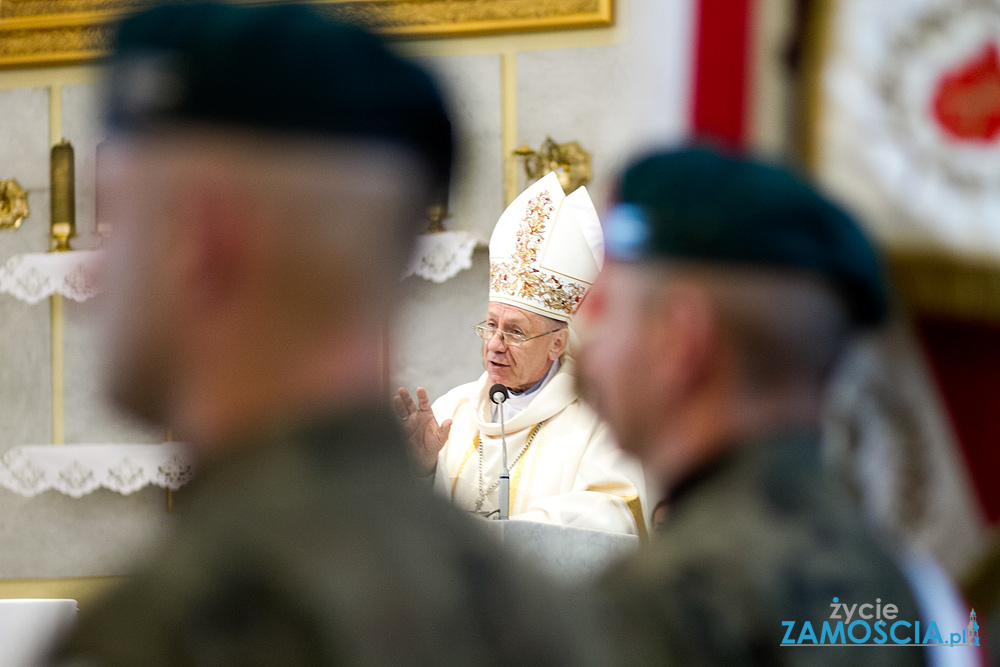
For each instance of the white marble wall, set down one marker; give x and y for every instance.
(618, 100)
(434, 346)
(25, 366)
(89, 416)
(471, 85)
(581, 95)
(81, 127)
(53, 535)
(660, 64)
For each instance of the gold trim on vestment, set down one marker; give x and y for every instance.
(515, 473)
(635, 505)
(529, 474)
(461, 466)
(632, 501)
(610, 487)
(515, 477)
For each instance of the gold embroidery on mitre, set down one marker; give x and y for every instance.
(520, 277)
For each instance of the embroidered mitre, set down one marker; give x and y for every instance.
(546, 250)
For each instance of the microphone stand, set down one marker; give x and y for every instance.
(499, 394)
(504, 490)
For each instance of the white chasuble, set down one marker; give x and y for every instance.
(564, 467)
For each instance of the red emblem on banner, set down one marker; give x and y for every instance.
(967, 103)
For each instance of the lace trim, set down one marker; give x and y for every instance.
(34, 276)
(77, 470)
(440, 256)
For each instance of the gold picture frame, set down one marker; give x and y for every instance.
(36, 33)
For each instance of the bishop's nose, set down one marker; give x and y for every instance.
(496, 343)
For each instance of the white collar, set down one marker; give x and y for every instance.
(518, 402)
(551, 399)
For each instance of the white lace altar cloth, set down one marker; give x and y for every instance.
(441, 255)
(34, 276)
(77, 470)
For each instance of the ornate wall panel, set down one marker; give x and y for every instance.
(48, 32)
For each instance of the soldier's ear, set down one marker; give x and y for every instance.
(216, 218)
(684, 335)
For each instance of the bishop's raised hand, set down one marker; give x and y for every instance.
(425, 435)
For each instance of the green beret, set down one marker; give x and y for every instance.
(695, 204)
(284, 68)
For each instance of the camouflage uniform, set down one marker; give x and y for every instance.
(758, 537)
(317, 546)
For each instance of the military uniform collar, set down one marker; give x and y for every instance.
(783, 449)
(327, 439)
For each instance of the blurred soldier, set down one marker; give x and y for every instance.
(267, 172)
(730, 290)
(565, 469)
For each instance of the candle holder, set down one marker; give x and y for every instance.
(63, 196)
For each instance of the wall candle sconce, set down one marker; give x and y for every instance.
(440, 254)
(63, 196)
(436, 215)
(569, 161)
(13, 204)
(34, 276)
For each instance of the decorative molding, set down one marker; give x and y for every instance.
(73, 588)
(933, 283)
(815, 49)
(50, 32)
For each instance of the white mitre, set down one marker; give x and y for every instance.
(546, 250)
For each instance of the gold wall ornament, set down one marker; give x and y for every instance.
(51, 32)
(13, 204)
(934, 282)
(63, 190)
(569, 161)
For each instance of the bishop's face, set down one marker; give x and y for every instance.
(517, 367)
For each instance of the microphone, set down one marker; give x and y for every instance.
(499, 394)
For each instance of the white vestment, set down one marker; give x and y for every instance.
(571, 472)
